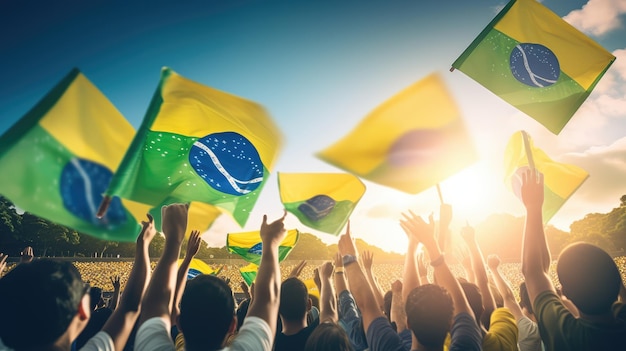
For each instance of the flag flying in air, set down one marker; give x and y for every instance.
(197, 267)
(248, 273)
(199, 144)
(248, 245)
(58, 160)
(560, 180)
(411, 142)
(535, 61)
(322, 201)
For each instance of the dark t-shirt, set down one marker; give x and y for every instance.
(294, 342)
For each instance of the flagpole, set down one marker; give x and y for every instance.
(529, 153)
(104, 206)
(439, 193)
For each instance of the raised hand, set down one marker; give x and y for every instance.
(174, 223)
(346, 244)
(338, 260)
(148, 230)
(273, 233)
(445, 215)
(3, 263)
(27, 255)
(244, 287)
(115, 281)
(368, 260)
(317, 279)
(326, 270)
(532, 189)
(468, 234)
(414, 226)
(297, 270)
(193, 244)
(396, 287)
(493, 261)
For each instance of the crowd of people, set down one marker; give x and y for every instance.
(46, 305)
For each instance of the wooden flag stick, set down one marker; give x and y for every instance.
(104, 206)
(439, 193)
(451, 69)
(529, 152)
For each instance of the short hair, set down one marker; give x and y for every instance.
(41, 298)
(207, 309)
(95, 297)
(429, 311)
(474, 298)
(589, 277)
(294, 299)
(328, 336)
(524, 300)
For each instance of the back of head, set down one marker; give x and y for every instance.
(328, 337)
(588, 277)
(524, 300)
(429, 312)
(294, 299)
(39, 301)
(474, 298)
(207, 309)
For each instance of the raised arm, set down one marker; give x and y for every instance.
(445, 218)
(415, 225)
(340, 279)
(160, 295)
(535, 254)
(121, 322)
(410, 276)
(493, 261)
(328, 299)
(398, 312)
(478, 266)
(359, 286)
(3, 263)
(117, 292)
(193, 246)
(368, 263)
(266, 295)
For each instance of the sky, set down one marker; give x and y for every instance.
(319, 67)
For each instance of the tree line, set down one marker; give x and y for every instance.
(495, 235)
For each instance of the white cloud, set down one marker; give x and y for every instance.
(598, 17)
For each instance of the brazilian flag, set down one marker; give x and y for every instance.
(248, 245)
(535, 61)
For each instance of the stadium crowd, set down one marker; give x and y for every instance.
(573, 303)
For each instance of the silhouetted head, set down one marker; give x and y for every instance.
(474, 298)
(524, 300)
(588, 277)
(294, 300)
(429, 311)
(38, 302)
(207, 312)
(328, 336)
(95, 297)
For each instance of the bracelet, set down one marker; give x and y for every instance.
(338, 270)
(438, 261)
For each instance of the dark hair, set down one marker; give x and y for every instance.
(474, 298)
(315, 301)
(95, 296)
(524, 300)
(207, 309)
(588, 277)
(328, 336)
(294, 299)
(429, 311)
(39, 301)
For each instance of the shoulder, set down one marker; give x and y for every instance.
(255, 335)
(381, 335)
(153, 335)
(99, 342)
(465, 333)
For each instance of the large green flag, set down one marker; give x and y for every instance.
(59, 158)
(248, 245)
(535, 61)
(199, 144)
(322, 201)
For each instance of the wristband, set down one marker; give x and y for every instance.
(338, 270)
(438, 261)
(348, 259)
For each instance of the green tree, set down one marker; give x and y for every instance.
(309, 247)
(10, 225)
(43, 235)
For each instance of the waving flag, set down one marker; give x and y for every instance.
(536, 61)
(59, 158)
(199, 144)
(197, 267)
(560, 180)
(248, 273)
(411, 142)
(248, 245)
(322, 201)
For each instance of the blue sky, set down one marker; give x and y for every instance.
(319, 67)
